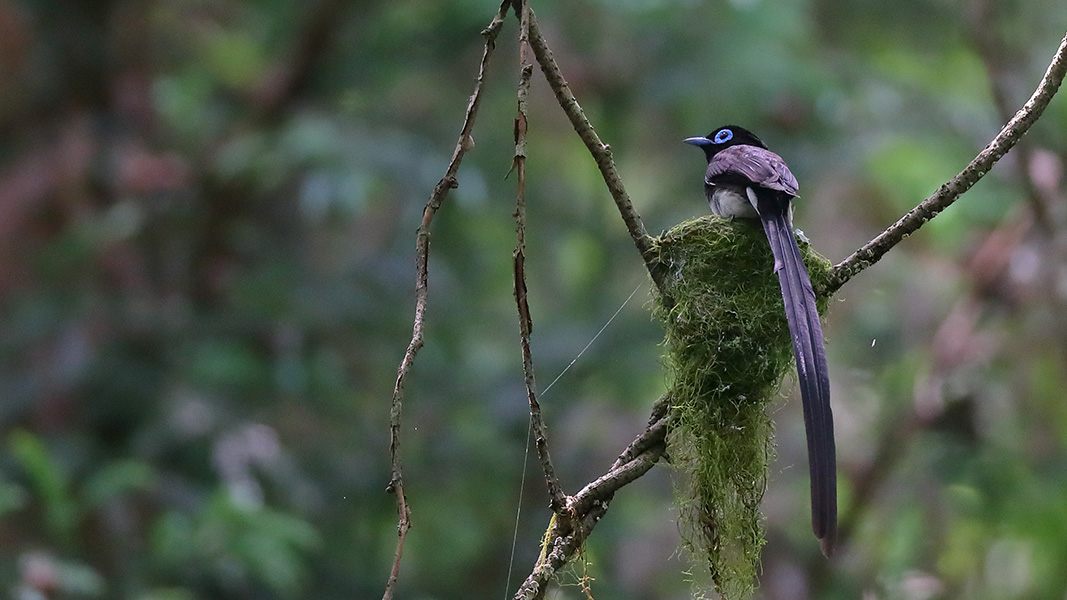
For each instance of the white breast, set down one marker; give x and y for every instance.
(727, 202)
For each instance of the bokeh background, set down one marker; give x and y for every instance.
(207, 217)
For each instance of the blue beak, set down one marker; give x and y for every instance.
(699, 141)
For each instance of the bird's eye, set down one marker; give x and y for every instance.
(723, 136)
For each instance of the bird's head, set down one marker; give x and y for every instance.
(724, 137)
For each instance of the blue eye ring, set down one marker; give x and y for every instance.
(723, 136)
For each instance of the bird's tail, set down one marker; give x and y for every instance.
(812, 373)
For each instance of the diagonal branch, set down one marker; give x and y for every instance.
(570, 528)
(555, 491)
(422, 251)
(601, 154)
(872, 251)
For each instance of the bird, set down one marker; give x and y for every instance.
(746, 180)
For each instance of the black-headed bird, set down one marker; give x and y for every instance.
(746, 180)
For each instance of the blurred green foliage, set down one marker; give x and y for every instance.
(207, 216)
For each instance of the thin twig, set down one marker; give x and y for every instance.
(601, 154)
(555, 491)
(872, 251)
(422, 251)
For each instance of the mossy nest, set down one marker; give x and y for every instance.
(728, 348)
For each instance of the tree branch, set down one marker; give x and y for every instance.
(555, 491)
(422, 252)
(873, 251)
(570, 528)
(601, 154)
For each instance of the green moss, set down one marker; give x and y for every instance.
(728, 348)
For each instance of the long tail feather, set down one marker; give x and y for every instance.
(812, 373)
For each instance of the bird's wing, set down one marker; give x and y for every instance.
(757, 165)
